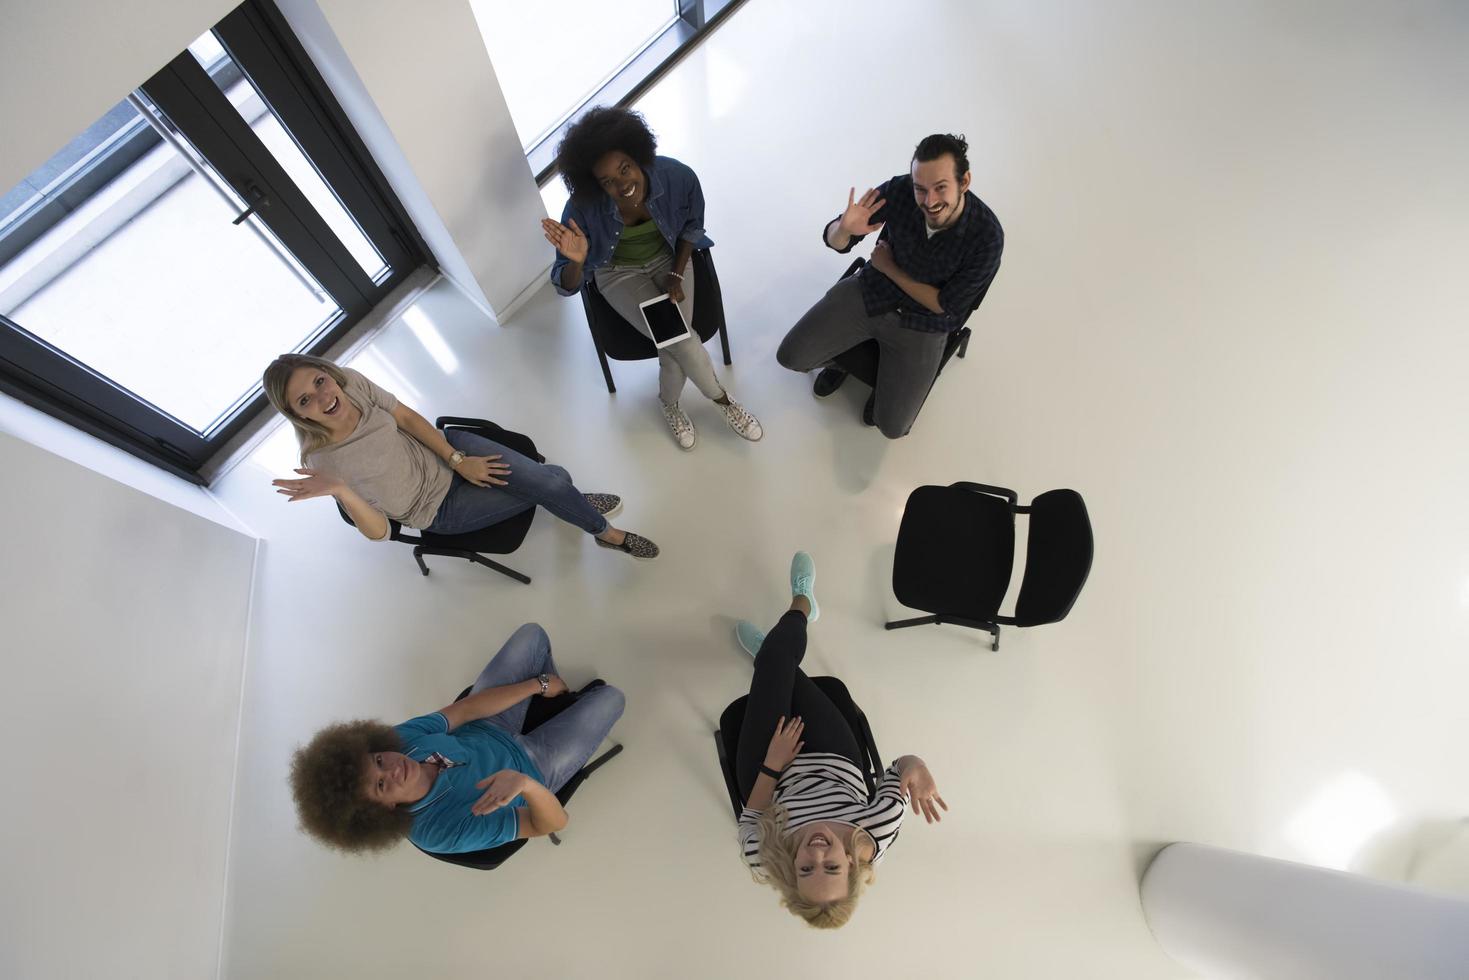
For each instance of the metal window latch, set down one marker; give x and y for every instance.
(257, 200)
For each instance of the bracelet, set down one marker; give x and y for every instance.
(676, 276)
(770, 772)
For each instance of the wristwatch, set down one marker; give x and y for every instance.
(455, 458)
(545, 680)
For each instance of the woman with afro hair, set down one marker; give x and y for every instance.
(464, 778)
(633, 222)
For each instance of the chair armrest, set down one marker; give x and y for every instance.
(444, 420)
(854, 268)
(1009, 495)
(727, 770)
(869, 744)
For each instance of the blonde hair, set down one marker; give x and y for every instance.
(310, 436)
(778, 865)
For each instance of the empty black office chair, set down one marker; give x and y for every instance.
(727, 737)
(956, 549)
(861, 361)
(497, 539)
(539, 711)
(614, 337)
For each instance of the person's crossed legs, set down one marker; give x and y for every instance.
(561, 746)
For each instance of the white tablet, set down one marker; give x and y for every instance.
(665, 321)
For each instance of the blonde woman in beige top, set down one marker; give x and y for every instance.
(383, 461)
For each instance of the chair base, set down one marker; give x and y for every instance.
(423, 549)
(974, 624)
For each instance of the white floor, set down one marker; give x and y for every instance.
(1231, 314)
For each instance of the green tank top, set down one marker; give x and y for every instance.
(639, 244)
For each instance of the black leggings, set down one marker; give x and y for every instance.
(778, 689)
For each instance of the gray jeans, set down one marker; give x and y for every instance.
(909, 362)
(624, 287)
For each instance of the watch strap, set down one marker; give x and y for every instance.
(772, 773)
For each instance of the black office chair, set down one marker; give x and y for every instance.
(861, 361)
(614, 337)
(727, 737)
(538, 712)
(497, 539)
(956, 549)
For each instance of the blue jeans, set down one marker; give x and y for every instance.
(468, 507)
(560, 747)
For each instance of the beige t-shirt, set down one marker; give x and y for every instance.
(390, 469)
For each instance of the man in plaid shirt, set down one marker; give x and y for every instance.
(937, 252)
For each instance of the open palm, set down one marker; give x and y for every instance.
(569, 241)
(857, 219)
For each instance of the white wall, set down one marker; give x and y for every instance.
(417, 82)
(125, 622)
(63, 63)
(1227, 914)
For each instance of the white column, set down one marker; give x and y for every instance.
(1227, 914)
(416, 81)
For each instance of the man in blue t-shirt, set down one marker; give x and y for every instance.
(463, 778)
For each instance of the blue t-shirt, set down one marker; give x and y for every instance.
(442, 821)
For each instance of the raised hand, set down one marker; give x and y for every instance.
(570, 242)
(918, 783)
(483, 471)
(857, 219)
(499, 790)
(314, 485)
(785, 744)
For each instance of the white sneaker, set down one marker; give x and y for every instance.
(681, 425)
(740, 419)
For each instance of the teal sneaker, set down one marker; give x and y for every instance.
(750, 637)
(803, 582)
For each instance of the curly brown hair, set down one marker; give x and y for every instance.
(327, 776)
(596, 134)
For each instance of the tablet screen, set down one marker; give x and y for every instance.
(665, 321)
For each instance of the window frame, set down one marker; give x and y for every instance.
(696, 20)
(260, 43)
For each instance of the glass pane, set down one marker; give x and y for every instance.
(148, 283)
(263, 122)
(548, 64)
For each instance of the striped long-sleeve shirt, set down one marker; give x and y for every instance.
(820, 786)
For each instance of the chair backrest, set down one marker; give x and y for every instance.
(1058, 558)
(955, 550)
(621, 341)
(727, 738)
(537, 713)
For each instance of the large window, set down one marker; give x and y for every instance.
(215, 217)
(554, 62)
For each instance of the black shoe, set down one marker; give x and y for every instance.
(829, 380)
(867, 417)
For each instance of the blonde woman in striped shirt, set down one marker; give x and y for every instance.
(809, 827)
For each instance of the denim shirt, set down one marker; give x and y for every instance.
(675, 201)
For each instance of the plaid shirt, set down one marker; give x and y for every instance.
(961, 260)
